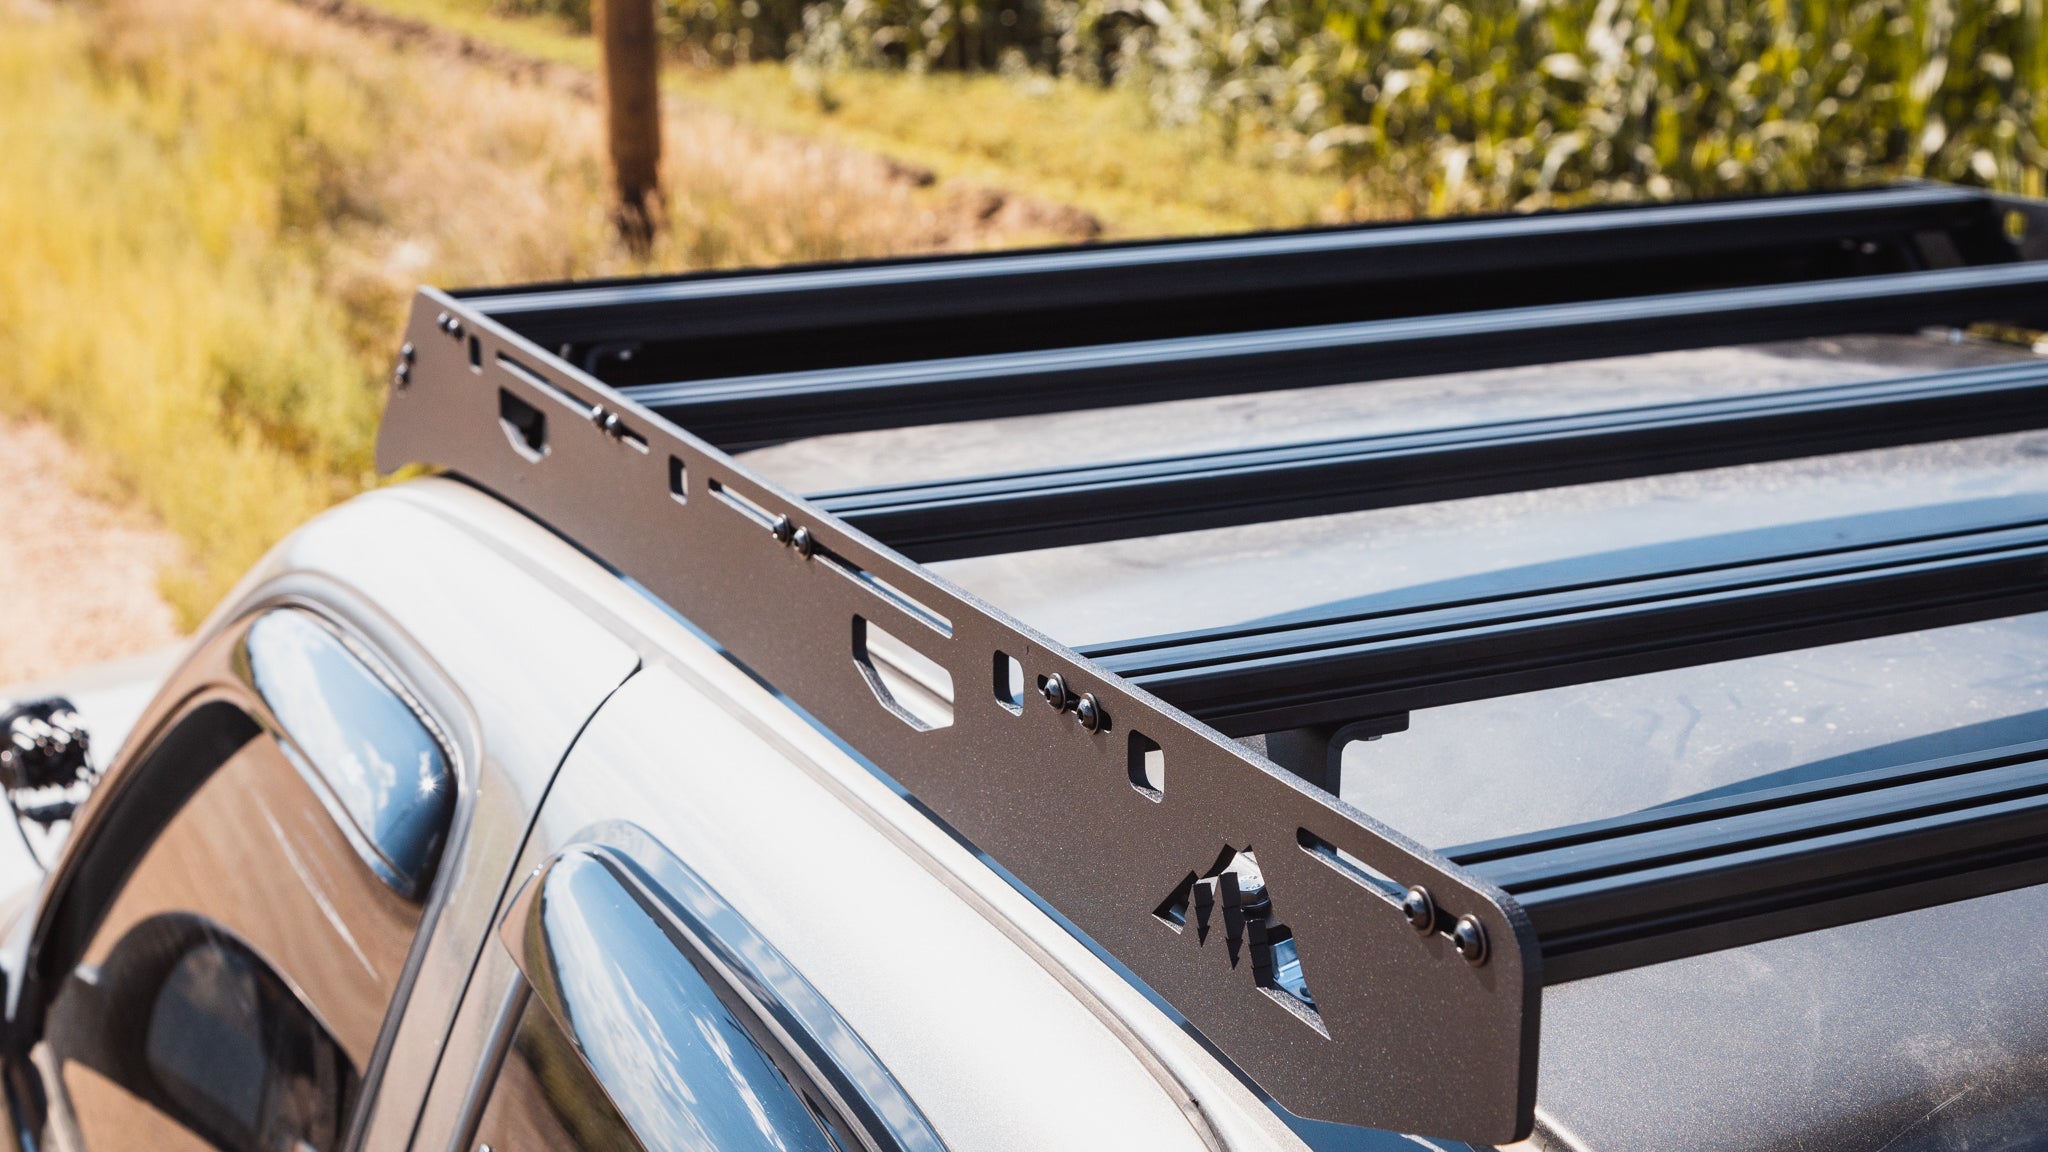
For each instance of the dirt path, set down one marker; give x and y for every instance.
(969, 214)
(77, 574)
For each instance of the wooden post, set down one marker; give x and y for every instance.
(632, 108)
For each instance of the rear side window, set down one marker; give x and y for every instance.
(232, 1047)
(237, 979)
(183, 1021)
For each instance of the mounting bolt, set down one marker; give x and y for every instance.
(406, 352)
(784, 528)
(1055, 691)
(1469, 938)
(455, 327)
(442, 321)
(806, 545)
(1419, 908)
(1089, 712)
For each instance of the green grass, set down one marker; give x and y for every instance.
(1060, 140)
(540, 37)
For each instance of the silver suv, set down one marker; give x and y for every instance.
(1665, 575)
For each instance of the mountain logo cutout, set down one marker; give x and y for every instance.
(1230, 900)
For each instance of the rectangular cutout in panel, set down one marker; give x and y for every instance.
(913, 686)
(526, 427)
(1147, 767)
(1009, 683)
(1352, 868)
(476, 355)
(678, 480)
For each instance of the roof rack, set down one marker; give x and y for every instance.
(1354, 975)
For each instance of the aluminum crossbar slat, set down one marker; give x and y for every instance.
(950, 519)
(758, 409)
(1698, 877)
(1248, 680)
(872, 312)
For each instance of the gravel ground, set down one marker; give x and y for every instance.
(77, 573)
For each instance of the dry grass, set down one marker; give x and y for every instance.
(214, 212)
(1062, 141)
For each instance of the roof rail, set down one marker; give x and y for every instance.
(1356, 976)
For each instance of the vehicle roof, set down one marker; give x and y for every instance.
(1915, 1031)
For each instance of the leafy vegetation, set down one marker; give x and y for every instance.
(1448, 105)
(1495, 104)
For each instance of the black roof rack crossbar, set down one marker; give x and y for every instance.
(983, 515)
(867, 312)
(761, 409)
(1305, 671)
(1367, 980)
(1696, 877)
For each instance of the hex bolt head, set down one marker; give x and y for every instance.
(442, 321)
(1089, 712)
(1469, 938)
(806, 545)
(1418, 907)
(455, 327)
(784, 528)
(1055, 692)
(406, 352)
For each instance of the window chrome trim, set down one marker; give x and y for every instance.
(396, 659)
(292, 696)
(874, 1106)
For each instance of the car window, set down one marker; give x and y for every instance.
(235, 985)
(183, 1020)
